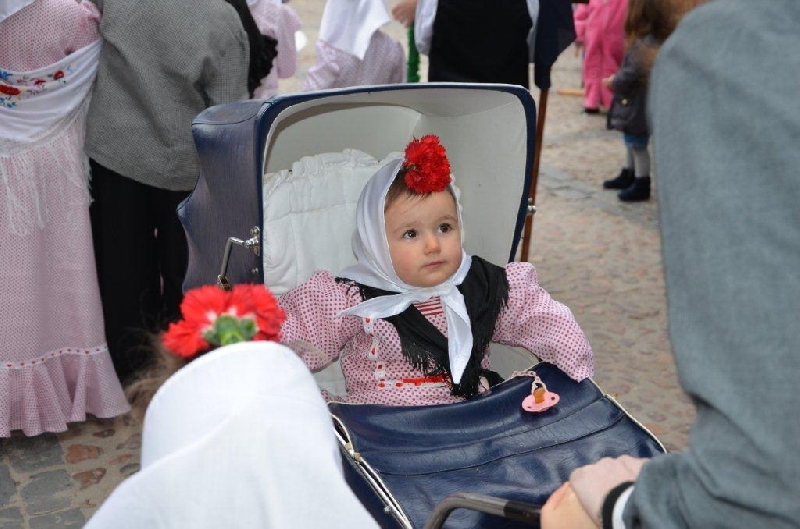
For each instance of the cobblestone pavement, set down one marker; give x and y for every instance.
(599, 256)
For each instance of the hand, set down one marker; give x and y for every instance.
(578, 48)
(404, 11)
(563, 509)
(607, 81)
(592, 483)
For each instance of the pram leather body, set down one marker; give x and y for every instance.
(248, 147)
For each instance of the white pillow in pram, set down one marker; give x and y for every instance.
(309, 215)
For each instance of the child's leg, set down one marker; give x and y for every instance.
(640, 189)
(641, 161)
(625, 177)
(592, 71)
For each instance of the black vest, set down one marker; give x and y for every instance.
(480, 41)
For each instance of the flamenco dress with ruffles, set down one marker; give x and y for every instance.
(54, 363)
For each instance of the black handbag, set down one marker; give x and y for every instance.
(402, 461)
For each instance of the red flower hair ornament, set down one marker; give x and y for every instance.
(213, 317)
(427, 169)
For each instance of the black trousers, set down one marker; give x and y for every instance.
(480, 41)
(141, 254)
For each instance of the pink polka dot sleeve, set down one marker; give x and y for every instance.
(547, 328)
(313, 327)
(325, 72)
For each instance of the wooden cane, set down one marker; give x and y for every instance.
(537, 155)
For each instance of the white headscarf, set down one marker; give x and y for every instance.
(240, 437)
(348, 25)
(374, 268)
(9, 7)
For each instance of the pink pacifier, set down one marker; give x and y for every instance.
(540, 398)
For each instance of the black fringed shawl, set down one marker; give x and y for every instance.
(485, 291)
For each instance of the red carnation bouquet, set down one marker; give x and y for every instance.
(427, 169)
(213, 317)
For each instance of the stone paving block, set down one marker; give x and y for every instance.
(47, 492)
(90, 477)
(69, 518)
(11, 518)
(80, 452)
(31, 454)
(7, 486)
(570, 192)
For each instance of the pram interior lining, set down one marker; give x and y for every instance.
(484, 131)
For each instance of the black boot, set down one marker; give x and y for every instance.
(623, 181)
(639, 191)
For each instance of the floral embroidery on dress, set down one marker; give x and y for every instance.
(16, 87)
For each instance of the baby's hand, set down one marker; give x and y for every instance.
(607, 81)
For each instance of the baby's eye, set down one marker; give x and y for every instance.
(409, 234)
(445, 227)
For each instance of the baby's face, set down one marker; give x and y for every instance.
(424, 238)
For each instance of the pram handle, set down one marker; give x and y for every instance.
(254, 243)
(515, 510)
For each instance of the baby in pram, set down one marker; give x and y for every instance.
(412, 320)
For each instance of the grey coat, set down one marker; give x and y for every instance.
(726, 125)
(162, 63)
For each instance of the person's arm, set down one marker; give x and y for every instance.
(534, 320)
(289, 24)
(731, 244)
(593, 484)
(227, 80)
(564, 510)
(594, 496)
(630, 74)
(325, 71)
(312, 319)
(404, 10)
(581, 14)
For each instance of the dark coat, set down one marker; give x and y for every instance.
(628, 112)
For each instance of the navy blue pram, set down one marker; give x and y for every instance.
(281, 179)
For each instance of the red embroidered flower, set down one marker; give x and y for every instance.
(214, 317)
(58, 75)
(426, 165)
(37, 82)
(9, 90)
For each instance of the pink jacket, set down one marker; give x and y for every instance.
(600, 26)
(384, 63)
(375, 370)
(601, 18)
(280, 22)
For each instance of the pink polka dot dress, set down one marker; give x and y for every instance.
(384, 63)
(54, 364)
(280, 22)
(369, 350)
